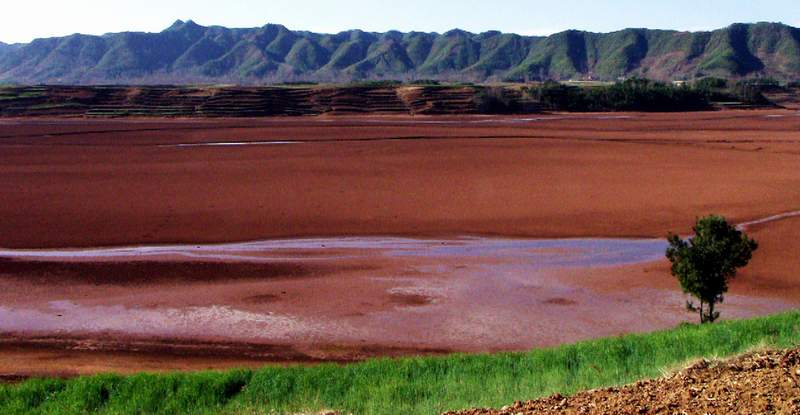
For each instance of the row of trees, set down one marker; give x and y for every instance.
(749, 91)
(630, 95)
(635, 94)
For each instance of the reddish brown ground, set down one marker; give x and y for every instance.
(84, 183)
(64, 185)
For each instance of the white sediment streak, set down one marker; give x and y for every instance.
(66, 316)
(232, 144)
(769, 219)
(582, 252)
(542, 253)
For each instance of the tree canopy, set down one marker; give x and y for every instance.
(704, 263)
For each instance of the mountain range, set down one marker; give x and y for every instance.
(190, 53)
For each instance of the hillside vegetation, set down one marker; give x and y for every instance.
(187, 52)
(384, 97)
(404, 386)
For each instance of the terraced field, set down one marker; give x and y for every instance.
(168, 101)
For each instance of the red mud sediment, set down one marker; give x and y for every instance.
(387, 292)
(81, 183)
(100, 183)
(403, 296)
(65, 356)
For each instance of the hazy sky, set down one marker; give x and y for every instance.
(24, 20)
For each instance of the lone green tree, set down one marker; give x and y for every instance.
(705, 262)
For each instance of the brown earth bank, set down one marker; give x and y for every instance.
(65, 356)
(758, 383)
(237, 101)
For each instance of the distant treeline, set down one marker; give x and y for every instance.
(749, 92)
(630, 95)
(635, 94)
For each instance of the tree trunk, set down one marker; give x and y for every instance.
(702, 314)
(711, 316)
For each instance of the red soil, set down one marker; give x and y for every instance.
(75, 183)
(64, 185)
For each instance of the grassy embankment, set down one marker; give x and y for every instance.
(407, 386)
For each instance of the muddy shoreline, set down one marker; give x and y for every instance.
(356, 298)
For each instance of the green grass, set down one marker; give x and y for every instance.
(405, 386)
(13, 93)
(48, 106)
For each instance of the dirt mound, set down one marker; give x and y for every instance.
(788, 98)
(758, 383)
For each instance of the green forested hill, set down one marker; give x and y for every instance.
(187, 52)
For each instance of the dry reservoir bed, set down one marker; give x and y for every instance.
(155, 210)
